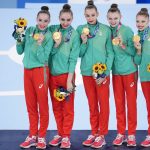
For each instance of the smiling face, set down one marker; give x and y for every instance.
(91, 15)
(113, 18)
(43, 21)
(142, 22)
(65, 19)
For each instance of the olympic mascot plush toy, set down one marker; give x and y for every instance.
(19, 28)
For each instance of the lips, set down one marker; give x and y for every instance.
(64, 26)
(140, 27)
(42, 27)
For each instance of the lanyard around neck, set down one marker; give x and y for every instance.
(118, 28)
(144, 36)
(95, 31)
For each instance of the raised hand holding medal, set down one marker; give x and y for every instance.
(57, 37)
(84, 35)
(137, 44)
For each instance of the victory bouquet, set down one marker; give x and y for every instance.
(98, 70)
(62, 94)
(19, 28)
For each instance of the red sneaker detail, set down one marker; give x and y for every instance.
(131, 141)
(29, 141)
(56, 140)
(99, 142)
(146, 142)
(119, 139)
(89, 141)
(65, 143)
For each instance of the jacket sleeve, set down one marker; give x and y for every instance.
(109, 53)
(44, 50)
(130, 49)
(74, 53)
(83, 47)
(137, 59)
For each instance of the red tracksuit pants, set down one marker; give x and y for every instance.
(98, 100)
(146, 92)
(64, 110)
(125, 91)
(36, 95)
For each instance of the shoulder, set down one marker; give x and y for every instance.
(104, 26)
(80, 28)
(30, 29)
(54, 28)
(127, 29)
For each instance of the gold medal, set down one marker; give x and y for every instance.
(86, 31)
(36, 36)
(115, 41)
(56, 35)
(136, 39)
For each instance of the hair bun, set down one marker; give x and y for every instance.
(144, 10)
(45, 8)
(90, 2)
(66, 6)
(114, 6)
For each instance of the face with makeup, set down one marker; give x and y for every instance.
(91, 15)
(43, 21)
(65, 19)
(142, 22)
(113, 18)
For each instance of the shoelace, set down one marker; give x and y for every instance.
(147, 138)
(119, 136)
(66, 139)
(30, 138)
(41, 140)
(98, 139)
(131, 137)
(56, 136)
(90, 137)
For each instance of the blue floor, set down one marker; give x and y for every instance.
(10, 140)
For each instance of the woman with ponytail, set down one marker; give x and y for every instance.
(142, 58)
(62, 65)
(97, 55)
(124, 77)
(36, 46)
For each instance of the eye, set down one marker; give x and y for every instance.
(87, 16)
(93, 15)
(68, 20)
(62, 19)
(45, 21)
(40, 20)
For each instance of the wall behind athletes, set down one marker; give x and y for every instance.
(22, 3)
(13, 113)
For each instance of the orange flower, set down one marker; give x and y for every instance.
(21, 22)
(96, 68)
(103, 67)
(58, 96)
